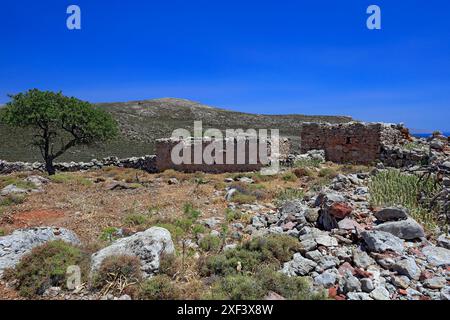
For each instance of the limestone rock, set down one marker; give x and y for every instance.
(148, 246)
(404, 229)
(380, 241)
(14, 246)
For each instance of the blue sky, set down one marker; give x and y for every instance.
(310, 57)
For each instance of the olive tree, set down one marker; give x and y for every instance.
(58, 122)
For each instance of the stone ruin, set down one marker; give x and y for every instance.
(230, 159)
(353, 142)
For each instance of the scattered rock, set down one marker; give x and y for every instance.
(380, 293)
(362, 259)
(392, 214)
(351, 283)
(380, 241)
(173, 181)
(148, 246)
(298, 266)
(435, 283)
(366, 285)
(437, 256)
(444, 241)
(407, 267)
(404, 229)
(340, 210)
(12, 189)
(327, 279)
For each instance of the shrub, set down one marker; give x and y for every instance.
(2, 232)
(135, 219)
(169, 264)
(210, 243)
(292, 288)
(327, 173)
(302, 163)
(242, 198)
(302, 172)
(391, 187)
(12, 199)
(289, 176)
(289, 194)
(45, 266)
(232, 215)
(159, 287)
(116, 273)
(274, 247)
(237, 287)
(108, 234)
(227, 262)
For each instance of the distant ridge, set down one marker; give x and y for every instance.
(142, 122)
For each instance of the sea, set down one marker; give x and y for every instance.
(426, 135)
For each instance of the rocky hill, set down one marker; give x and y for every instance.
(142, 122)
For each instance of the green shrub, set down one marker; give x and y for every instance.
(159, 287)
(108, 234)
(168, 264)
(272, 249)
(289, 176)
(292, 288)
(305, 163)
(117, 270)
(242, 198)
(135, 219)
(232, 215)
(2, 232)
(45, 266)
(210, 243)
(237, 287)
(12, 199)
(327, 173)
(227, 262)
(391, 187)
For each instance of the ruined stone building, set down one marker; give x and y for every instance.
(353, 142)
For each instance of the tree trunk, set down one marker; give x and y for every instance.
(49, 167)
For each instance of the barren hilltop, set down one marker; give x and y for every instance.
(142, 122)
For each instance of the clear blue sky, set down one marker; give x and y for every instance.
(312, 57)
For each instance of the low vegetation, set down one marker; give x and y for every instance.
(45, 266)
(117, 275)
(391, 187)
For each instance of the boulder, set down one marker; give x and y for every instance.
(12, 189)
(148, 246)
(437, 256)
(298, 266)
(407, 267)
(380, 241)
(444, 241)
(392, 214)
(404, 229)
(361, 259)
(380, 293)
(340, 210)
(14, 246)
(326, 279)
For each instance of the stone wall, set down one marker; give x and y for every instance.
(354, 142)
(240, 161)
(147, 163)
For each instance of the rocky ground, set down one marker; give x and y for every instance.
(347, 244)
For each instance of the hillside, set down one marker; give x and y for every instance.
(141, 122)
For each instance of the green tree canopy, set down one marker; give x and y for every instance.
(59, 122)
